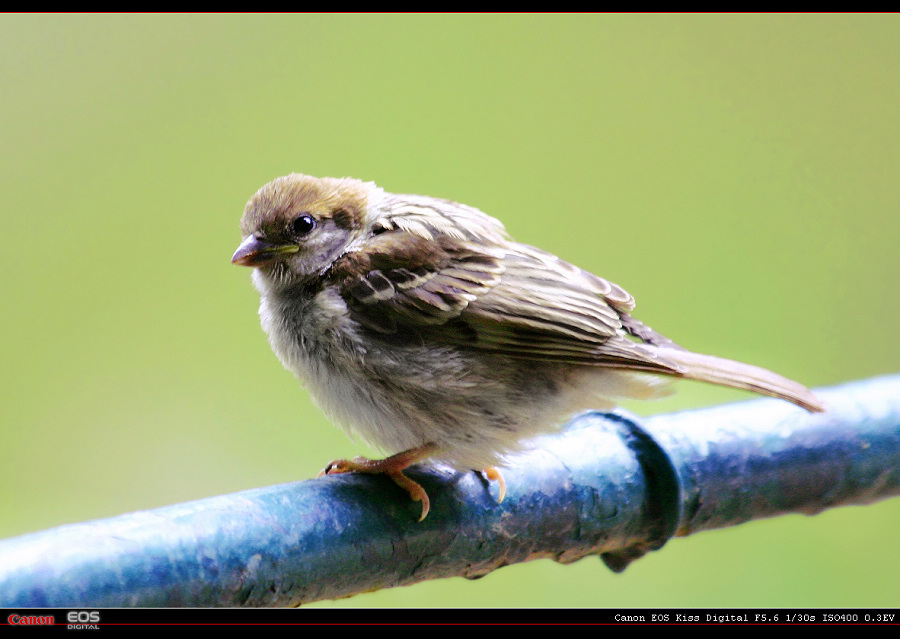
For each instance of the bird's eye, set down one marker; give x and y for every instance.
(303, 224)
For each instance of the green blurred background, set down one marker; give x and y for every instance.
(737, 174)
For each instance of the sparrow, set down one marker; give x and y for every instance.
(419, 326)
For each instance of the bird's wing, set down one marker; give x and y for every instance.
(547, 309)
(520, 302)
(399, 282)
(510, 299)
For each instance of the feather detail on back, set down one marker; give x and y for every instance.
(446, 274)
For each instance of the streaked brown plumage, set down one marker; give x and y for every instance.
(419, 326)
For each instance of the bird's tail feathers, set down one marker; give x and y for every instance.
(725, 372)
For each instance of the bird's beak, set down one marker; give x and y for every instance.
(256, 252)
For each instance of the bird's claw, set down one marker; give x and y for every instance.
(415, 490)
(337, 466)
(492, 474)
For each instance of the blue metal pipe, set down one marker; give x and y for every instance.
(609, 484)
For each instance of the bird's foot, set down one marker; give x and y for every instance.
(393, 467)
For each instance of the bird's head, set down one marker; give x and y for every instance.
(296, 226)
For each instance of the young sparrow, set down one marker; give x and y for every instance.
(418, 325)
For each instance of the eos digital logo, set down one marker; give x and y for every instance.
(83, 620)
